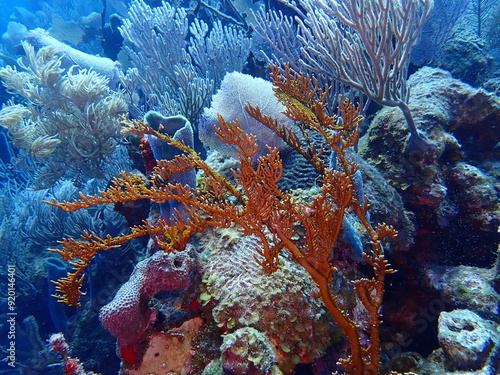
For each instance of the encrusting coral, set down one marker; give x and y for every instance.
(281, 306)
(308, 231)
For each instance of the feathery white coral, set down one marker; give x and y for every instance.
(69, 120)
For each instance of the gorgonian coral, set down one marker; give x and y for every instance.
(67, 120)
(257, 206)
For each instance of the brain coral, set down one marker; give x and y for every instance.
(279, 305)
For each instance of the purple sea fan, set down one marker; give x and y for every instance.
(238, 89)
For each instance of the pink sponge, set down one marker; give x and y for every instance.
(128, 316)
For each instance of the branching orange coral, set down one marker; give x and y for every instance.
(258, 206)
(305, 103)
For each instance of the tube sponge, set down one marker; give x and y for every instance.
(128, 315)
(179, 128)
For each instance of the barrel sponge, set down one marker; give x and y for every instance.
(128, 316)
(237, 90)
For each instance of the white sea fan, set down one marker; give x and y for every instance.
(237, 90)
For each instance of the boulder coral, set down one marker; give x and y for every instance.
(248, 351)
(280, 306)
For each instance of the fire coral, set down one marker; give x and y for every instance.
(257, 206)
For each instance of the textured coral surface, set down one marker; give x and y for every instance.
(279, 305)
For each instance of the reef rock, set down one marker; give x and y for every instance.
(466, 338)
(466, 287)
(386, 205)
(466, 56)
(457, 187)
(458, 118)
(170, 352)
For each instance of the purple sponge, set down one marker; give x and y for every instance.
(128, 315)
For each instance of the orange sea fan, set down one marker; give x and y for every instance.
(257, 206)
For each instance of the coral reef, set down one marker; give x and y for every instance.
(457, 190)
(380, 35)
(261, 255)
(386, 205)
(475, 194)
(182, 73)
(458, 117)
(30, 351)
(466, 339)
(41, 226)
(247, 351)
(15, 34)
(466, 57)
(71, 366)
(279, 307)
(70, 56)
(307, 230)
(170, 352)
(467, 287)
(469, 53)
(438, 29)
(454, 200)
